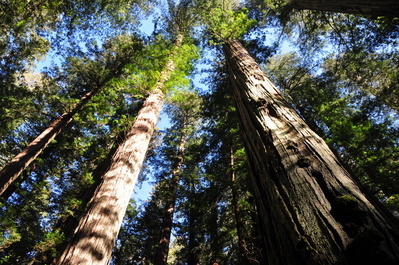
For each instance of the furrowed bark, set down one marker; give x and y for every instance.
(97, 231)
(95, 236)
(311, 210)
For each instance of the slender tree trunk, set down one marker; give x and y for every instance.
(216, 248)
(388, 8)
(96, 233)
(237, 214)
(14, 168)
(192, 256)
(161, 255)
(312, 211)
(98, 228)
(14, 186)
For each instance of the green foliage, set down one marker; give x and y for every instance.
(50, 242)
(347, 201)
(351, 102)
(227, 24)
(70, 160)
(184, 59)
(182, 16)
(183, 106)
(128, 244)
(375, 73)
(392, 202)
(227, 158)
(24, 221)
(73, 206)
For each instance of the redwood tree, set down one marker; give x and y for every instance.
(312, 210)
(184, 108)
(97, 230)
(94, 238)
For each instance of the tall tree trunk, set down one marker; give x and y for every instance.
(216, 248)
(161, 254)
(95, 236)
(388, 8)
(14, 168)
(97, 230)
(237, 214)
(69, 223)
(312, 211)
(192, 248)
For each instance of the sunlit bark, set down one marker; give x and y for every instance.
(67, 224)
(311, 210)
(14, 168)
(95, 236)
(96, 233)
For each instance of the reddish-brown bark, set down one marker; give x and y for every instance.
(96, 233)
(14, 168)
(311, 209)
(161, 254)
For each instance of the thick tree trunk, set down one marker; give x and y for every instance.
(389, 8)
(161, 255)
(98, 228)
(14, 168)
(69, 223)
(312, 211)
(96, 233)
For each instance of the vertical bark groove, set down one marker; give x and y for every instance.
(95, 236)
(301, 188)
(96, 233)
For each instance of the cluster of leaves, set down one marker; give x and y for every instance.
(227, 24)
(122, 73)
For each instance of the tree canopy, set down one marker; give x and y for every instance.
(334, 64)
